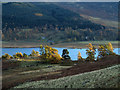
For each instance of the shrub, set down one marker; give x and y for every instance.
(15, 56)
(6, 56)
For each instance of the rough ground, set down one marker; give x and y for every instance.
(84, 67)
(103, 78)
(77, 69)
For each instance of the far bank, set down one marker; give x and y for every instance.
(36, 44)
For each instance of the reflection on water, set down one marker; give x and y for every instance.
(72, 52)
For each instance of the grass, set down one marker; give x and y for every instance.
(104, 78)
(82, 44)
(20, 44)
(21, 66)
(19, 72)
(28, 44)
(99, 42)
(15, 72)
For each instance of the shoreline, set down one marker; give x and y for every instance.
(70, 47)
(73, 45)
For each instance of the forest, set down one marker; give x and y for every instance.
(51, 23)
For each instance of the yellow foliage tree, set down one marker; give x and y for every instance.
(79, 56)
(35, 53)
(55, 58)
(49, 54)
(90, 52)
(18, 55)
(41, 50)
(105, 50)
(110, 47)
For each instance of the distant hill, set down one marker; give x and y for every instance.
(50, 22)
(104, 10)
(37, 14)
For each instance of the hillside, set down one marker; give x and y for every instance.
(34, 14)
(104, 78)
(48, 22)
(104, 10)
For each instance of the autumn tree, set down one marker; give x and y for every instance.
(90, 52)
(49, 54)
(55, 57)
(79, 56)
(109, 49)
(105, 50)
(34, 53)
(18, 55)
(37, 53)
(41, 50)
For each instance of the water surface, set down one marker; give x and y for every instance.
(72, 52)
